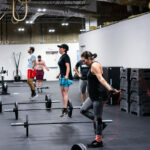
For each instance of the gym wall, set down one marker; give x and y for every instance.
(126, 43)
(7, 59)
(38, 33)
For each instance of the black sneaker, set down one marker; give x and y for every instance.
(70, 112)
(64, 112)
(95, 144)
(34, 94)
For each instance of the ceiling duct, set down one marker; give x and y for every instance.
(67, 12)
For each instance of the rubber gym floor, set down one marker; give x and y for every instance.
(126, 132)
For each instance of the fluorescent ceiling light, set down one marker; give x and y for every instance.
(21, 29)
(65, 24)
(82, 30)
(51, 30)
(29, 22)
(41, 10)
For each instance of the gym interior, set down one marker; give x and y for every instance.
(117, 31)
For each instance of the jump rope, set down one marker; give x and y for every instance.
(117, 112)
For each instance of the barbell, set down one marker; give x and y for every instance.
(16, 109)
(48, 102)
(78, 146)
(26, 124)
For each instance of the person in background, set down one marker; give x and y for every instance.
(40, 65)
(65, 76)
(31, 71)
(83, 78)
(95, 100)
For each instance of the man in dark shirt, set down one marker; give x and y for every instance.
(83, 78)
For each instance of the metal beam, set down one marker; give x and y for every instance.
(80, 2)
(127, 2)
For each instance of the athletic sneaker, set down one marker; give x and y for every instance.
(95, 144)
(64, 112)
(33, 97)
(38, 90)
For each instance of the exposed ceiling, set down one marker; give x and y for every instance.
(72, 11)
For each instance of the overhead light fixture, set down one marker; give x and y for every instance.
(39, 10)
(42, 10)
(21, 29)
(65, 24)
(51, 30)
(82, 30)
(29, 22)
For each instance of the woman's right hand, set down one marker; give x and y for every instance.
(57, 77)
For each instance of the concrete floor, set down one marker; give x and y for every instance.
(125, 133)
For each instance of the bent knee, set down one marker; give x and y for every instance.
(82, 111)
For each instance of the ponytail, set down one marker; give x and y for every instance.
(94, 56)
(88, 54)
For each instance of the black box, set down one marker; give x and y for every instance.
(138, 73)
(139, 86)
(139, 110)
(140, 99)
(124, 106)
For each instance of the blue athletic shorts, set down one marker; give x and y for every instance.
(65, 82)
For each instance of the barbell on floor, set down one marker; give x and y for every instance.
(16, 109)
(79, 146)
(45, 87)
(26, 124)
(48, 102)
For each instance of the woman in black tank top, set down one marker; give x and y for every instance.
(96, 83)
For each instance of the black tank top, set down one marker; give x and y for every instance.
(95, 88)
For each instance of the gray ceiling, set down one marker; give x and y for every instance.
(73, 11)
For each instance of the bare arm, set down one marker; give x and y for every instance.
(97, 70)
(58, 76)
(45, 66)
(77, 72)
(34, 64)
(67, 70)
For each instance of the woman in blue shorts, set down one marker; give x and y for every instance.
(65, 76)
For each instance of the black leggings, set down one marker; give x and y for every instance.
(96, 114)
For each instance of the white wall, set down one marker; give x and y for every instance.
(126, 43)
(7, 59)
